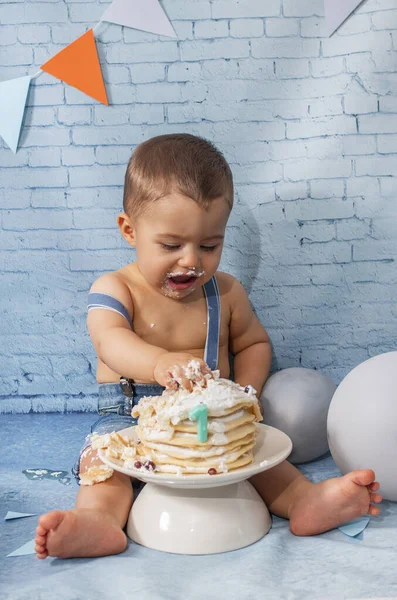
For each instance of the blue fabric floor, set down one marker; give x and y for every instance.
(329, 566)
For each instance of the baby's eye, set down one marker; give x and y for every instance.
(209, 248)
(170, 247)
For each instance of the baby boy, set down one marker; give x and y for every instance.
(149, 319)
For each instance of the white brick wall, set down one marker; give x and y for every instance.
(308, 124)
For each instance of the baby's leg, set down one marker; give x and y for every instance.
(95, 526)
(313, 508)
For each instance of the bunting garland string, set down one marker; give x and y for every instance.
(337, 11)
(78, 63)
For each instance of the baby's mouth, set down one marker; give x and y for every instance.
(181, 282)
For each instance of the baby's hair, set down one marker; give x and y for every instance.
(178, 162)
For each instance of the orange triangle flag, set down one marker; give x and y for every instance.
(78, 65)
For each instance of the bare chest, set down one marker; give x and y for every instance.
(175, 326)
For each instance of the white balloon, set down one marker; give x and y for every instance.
(296, 401)
(362, 421)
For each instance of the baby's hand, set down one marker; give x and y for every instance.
(175, 370)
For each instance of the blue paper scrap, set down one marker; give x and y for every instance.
(17, 515)
(27, 548)
(356, 527)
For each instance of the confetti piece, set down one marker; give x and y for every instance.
(17, 515)
(356, 527)
(27, 548)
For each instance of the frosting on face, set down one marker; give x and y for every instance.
(173, 287)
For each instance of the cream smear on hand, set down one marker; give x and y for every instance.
(218, 395)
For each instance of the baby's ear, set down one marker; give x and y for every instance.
(127, 229)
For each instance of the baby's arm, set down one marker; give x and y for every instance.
(249, 342)
(124, 351)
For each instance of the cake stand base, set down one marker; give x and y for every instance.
(198, 521)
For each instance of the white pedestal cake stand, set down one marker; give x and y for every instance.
(203, 514)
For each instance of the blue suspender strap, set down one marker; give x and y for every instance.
(107, 302)
(211, 292)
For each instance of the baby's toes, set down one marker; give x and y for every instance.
(377, 498)
(40, 547)
(374, 486)
(374, 511)
(40, 539)
(362, 477)
(40, 530)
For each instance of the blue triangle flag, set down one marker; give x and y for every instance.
(13, 95)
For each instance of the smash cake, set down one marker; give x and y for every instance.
(208, 430)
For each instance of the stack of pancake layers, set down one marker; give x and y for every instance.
(169, 438)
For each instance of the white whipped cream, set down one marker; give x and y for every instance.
(219, 395)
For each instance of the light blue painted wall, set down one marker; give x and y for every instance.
(308, 124)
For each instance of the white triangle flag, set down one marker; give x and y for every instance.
(146, 15)
(13, 95)
(337, 11)
(16, 515)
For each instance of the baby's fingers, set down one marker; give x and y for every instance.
(170, 383)
(187, 384)
(178, 378)
(205, 368)
(195, 372)
(202, 376)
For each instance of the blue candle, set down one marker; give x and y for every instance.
(200, 414)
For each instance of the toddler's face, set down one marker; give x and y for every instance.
(179, 244)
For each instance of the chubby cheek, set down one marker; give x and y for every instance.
(211, 262)
(155, 268)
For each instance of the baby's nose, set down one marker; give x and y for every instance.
(190, 258)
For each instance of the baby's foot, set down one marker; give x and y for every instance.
(322, 506)
(78, 532)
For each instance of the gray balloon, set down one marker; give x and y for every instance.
(297, 401)
(362, 421)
